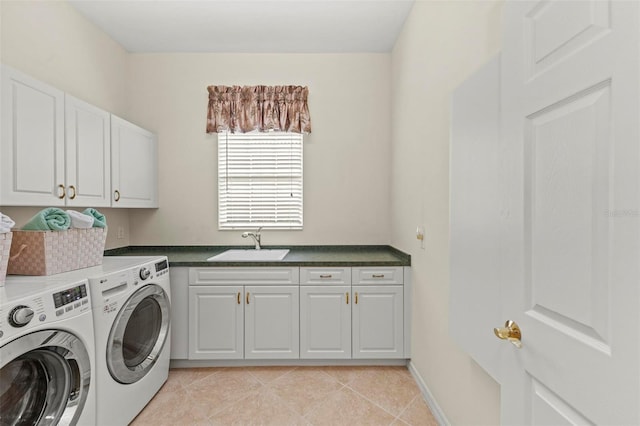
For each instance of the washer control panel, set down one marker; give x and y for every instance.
(162, 267)
(69, 299)
(31, 305)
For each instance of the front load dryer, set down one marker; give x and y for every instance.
(131, 302)
(47, 353)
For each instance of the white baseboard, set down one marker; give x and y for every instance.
(428, 396)
(187, 363)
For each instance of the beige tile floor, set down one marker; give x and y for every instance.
(288, 396)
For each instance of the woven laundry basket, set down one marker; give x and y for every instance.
(53, 252)
(5, 247)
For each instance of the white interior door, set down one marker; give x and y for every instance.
(570, 164)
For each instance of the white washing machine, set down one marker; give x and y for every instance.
(131, 305)
(47, 352)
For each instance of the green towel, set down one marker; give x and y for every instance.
(99, 221)
(49, 219)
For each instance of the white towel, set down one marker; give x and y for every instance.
(80, 220)
(6, 223)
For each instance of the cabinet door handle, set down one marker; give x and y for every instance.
(347, 294)
(72, 188)
(62, 192)
(356, 297)
(238, 298)
(247, 298)
(326, 276)
(378, 275)
(116, 195)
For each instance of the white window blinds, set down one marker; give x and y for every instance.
(260, 180)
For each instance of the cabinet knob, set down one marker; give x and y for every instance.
(356, 297)
(238, 298)
(73, 195)
(347, 294)
(116, 195)
(61, 191)
(247, 298)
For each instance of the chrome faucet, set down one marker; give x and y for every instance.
(255, 236)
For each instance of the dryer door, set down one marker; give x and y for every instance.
(138, 334)
(44, 379)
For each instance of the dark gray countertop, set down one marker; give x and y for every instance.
(298, 255)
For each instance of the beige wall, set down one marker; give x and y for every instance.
(359, 187)
(346, 158)
(346, 193)
(50, 41)
(440, 45)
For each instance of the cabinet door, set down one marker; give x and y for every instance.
(325, 322)
(134, 165)
(377, 322)
(215, 322)
(272, 329)
(88, 154)
(32, 144)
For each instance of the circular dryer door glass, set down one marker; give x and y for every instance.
(141, 332)
(138, 334)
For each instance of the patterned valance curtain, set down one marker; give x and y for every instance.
(247, 108)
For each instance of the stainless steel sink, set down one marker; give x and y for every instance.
(250, 255)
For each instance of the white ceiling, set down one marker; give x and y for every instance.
(249, 26)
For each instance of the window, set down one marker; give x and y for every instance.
(260, 180)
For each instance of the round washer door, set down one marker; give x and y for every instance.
(138, 334)
(44, 379)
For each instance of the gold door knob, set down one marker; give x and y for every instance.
(510, 332)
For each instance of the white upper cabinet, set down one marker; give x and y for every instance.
(88, 146)
(32, 144)
(134, 165)
(56, 150)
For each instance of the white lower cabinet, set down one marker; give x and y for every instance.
(325, 322)
(271, 329)
(283, 313)
(216, 322)
(378, 321)
(237, 321)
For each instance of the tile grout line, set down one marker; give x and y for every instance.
(317, 405)
(372, 402)
(404, 410)
(268, 387)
